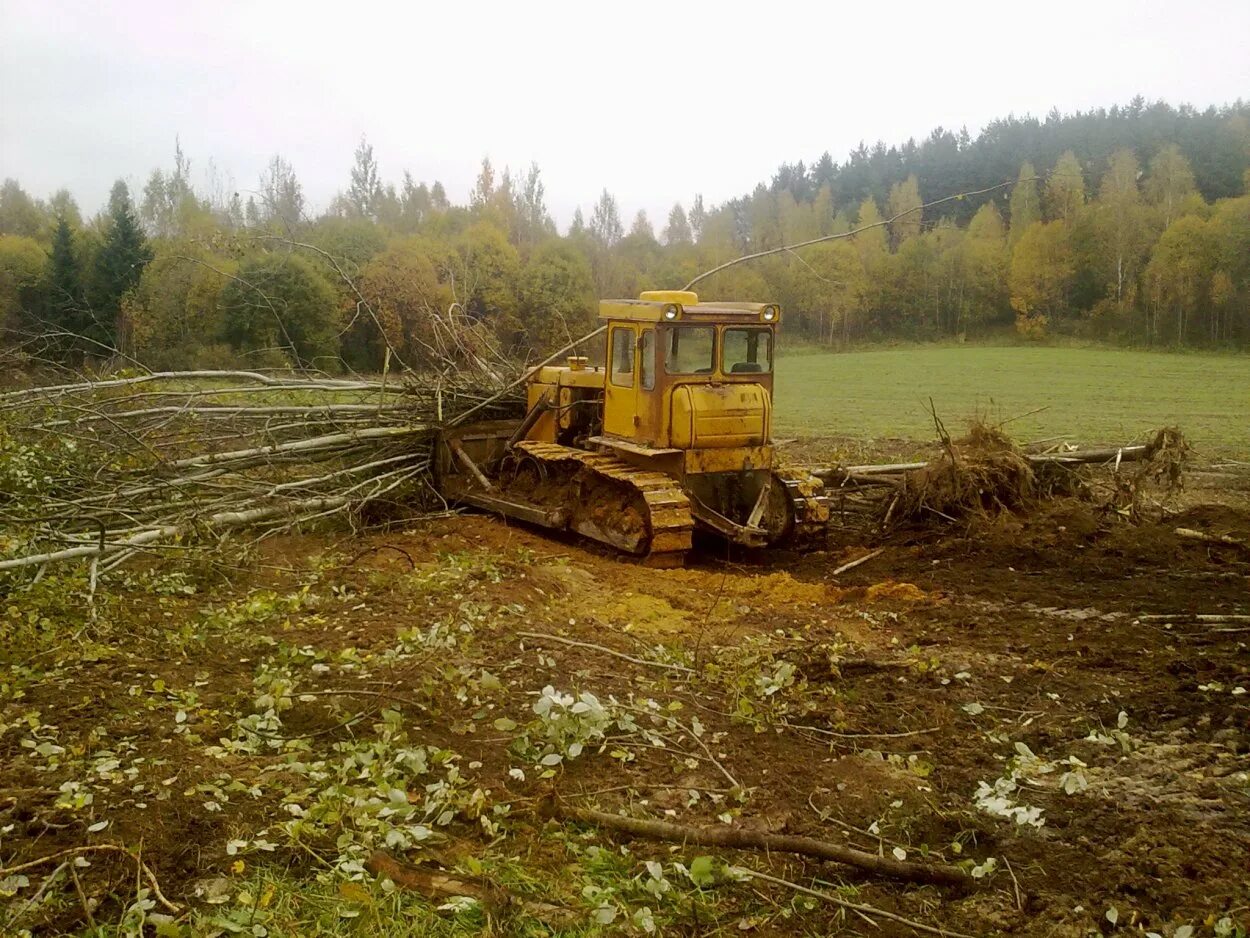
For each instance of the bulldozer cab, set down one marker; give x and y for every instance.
(688, 375)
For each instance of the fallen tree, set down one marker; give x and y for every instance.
(892, 473)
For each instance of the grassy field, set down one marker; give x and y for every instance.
(1088, 395)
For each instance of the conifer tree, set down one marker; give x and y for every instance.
(118, 267)
(63, 308)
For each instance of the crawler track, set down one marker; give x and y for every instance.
(637, 511)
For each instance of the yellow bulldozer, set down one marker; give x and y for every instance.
(672, 432)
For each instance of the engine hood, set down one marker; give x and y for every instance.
(708, 416)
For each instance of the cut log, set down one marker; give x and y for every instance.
(880, 474)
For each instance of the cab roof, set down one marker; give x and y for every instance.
(652, 305)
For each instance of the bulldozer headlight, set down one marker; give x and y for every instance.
(770, 313)
(670, 312)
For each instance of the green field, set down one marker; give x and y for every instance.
(1088, 394)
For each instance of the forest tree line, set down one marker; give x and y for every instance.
(1128, 225)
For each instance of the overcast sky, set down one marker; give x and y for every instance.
(655, 101)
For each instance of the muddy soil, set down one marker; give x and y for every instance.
(950, 660)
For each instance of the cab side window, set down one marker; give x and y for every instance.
(622, 372)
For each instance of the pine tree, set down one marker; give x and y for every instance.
(63, 307)
(118, 267)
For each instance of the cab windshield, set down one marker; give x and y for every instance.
(747, 351)
(689, 350)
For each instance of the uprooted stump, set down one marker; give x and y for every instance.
(985, 473)
(981, 473)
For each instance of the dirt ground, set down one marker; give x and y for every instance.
(877, 708)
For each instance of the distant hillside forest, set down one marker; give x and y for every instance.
(1129, 225)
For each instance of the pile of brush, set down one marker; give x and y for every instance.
(107, 469)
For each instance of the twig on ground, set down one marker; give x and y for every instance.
(82, 896)
(438, 885)
(1208, 618)
(98, 848)
(1015, 885)
(1222, 539)
(836, 735)
(855, 563)
(435, 884)
(647, 786)
(693, 735)
(34, 900)
(542, 636)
